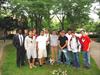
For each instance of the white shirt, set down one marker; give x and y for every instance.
(74, 43)
(69, 37)
(21, 39)
(42, 40)
(30, 43)
(53, 40)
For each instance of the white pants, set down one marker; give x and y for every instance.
(42, 53)
(31, 53)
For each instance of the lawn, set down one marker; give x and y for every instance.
(9, 66)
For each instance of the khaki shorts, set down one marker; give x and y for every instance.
(42, 53)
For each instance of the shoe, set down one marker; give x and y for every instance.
(30, 66)
(87, 67)
(34, 66)
(40, 65)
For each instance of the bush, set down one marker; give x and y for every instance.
(94, 36)
(98, 39)
(10, 36)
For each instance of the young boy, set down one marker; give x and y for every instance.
(63, 42)
(30, 47)
(41, 47)
(75, 48)
(85, 42)
(69, 36)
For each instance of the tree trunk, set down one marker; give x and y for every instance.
(38, 22)
(61, 21)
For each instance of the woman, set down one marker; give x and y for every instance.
(54, 46)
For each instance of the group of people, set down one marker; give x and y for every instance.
(54, 48)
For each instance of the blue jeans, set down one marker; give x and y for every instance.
(76, 60)
(65, 52)
(70, 55)
(86, 58)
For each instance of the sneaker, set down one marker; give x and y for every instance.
(87, 67)
(34, 66)
(40, 65)
(30, 66)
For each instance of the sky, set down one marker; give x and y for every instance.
(93, 11)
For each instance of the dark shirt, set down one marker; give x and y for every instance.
(63, 41)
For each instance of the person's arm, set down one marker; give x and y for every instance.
(59, 44)
(64, 44)
(88, 47)
(89, 44)
(26, 44)
(79, 44)
(37, 44)
(15, 41)
(70, 44)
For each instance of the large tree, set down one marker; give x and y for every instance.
(36, 13)
(75, 12)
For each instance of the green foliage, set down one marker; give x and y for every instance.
(89, 27)
(94, 36)
(37, 13)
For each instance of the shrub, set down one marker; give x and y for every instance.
(94, 36)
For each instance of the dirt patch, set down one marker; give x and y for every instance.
(95, 52)
(2, 45)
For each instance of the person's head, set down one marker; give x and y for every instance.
(42, 33)
(69, 31)
(26, 31)
(73, 33)
(54, 32)
(34, 31)
(30, 33)
(19, 31)
(82, 32)
(62, 33)
(46, 31)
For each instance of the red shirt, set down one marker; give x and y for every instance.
(85, 41)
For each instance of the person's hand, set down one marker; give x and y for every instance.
(61, 48)
(88, 49)
(79, 50)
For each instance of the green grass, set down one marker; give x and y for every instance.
(9, 66)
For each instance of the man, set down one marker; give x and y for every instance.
(47, 35)
(63, 42)
(85, 43)
(69, 36)
(30, 47)
(41, 47)
(18, 42)
(75, 48)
